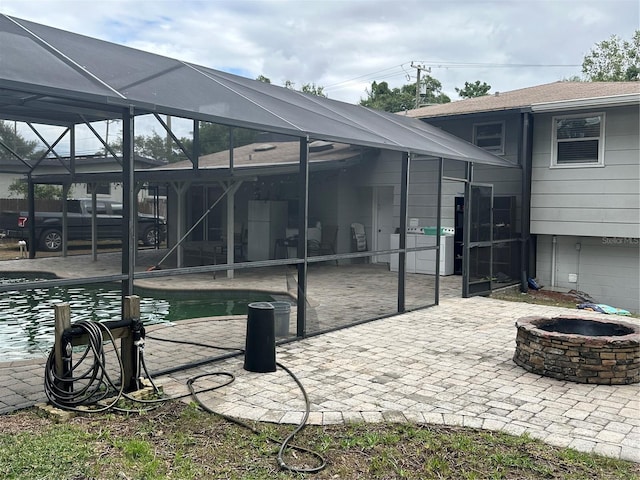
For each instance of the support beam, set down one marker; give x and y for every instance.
(402, 256)
(438, 227)
(31, 196)
(303, 221)
(65, 219)
(62, 322)
(94, 224)
(195, 153)
(466, 232)
(128, 201)
(231, 218)
(180, 189)
(128, 349)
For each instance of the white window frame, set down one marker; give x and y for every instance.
(554, 141)
(495, 150)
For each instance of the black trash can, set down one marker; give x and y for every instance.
(260, 349)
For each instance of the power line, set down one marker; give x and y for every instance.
(365, 75)
(498, 65)
(375, 75)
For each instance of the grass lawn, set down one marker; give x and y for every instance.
(180, 441)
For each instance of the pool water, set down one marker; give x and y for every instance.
(27, 317)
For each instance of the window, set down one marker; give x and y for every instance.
(578, 141)
(489, 136)
(101, 188)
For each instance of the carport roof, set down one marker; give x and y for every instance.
(56, 77)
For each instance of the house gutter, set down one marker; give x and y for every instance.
(588, 103)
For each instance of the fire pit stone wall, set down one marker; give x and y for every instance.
(612, 358)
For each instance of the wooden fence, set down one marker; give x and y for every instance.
(22, 205)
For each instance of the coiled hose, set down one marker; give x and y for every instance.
(97, 384)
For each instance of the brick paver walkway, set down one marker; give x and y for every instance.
(449, 364)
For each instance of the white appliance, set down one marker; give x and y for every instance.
(424, 261)
(267, 223)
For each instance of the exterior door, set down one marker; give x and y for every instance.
(383, 204)
(477, 262)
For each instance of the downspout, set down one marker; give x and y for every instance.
(554, 241)
(527, 257)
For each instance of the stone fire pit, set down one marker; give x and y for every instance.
(583, 350)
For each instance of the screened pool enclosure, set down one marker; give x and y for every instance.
(336, 204)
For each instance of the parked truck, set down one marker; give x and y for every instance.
(48, 225)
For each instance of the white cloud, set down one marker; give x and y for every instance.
(346, 44)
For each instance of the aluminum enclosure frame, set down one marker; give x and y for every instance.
(53, 77)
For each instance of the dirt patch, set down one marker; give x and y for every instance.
(544, 297)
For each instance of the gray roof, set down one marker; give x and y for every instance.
(597, 93)
(269, 154)
(52, 76)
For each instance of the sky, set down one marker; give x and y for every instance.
(344, 45)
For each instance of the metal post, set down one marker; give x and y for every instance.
(438, 227)
(303, 218)
(65, 219)
(231, 147)
(31, 195)
(128, 213)
(402, 256)
(466, 231)
(195, 161)
(94, 222)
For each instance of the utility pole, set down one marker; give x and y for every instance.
(419, 68)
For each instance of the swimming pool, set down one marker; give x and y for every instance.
(27, 317)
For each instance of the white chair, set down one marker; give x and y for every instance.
(358, 238)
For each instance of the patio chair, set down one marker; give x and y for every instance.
(358, 238)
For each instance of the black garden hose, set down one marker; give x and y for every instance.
(96, 385)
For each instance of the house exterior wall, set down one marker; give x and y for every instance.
(589, 201)
(607, 268)
(592, 212)
(505, 181)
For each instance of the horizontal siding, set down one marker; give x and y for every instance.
(585, 229)
(609, 174)
(590, 200)
(593, 215)
(584, 187)
(610, 201)
(607, 269)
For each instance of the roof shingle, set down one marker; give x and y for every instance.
(526, 97)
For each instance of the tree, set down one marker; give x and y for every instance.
(215, 137)
(310, 88)
(313, 89)
(44, 192)
(11, 139)
(382, 97)
(613, 60)
(433, 91)
(475, 89)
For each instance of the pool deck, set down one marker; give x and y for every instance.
(449, 364)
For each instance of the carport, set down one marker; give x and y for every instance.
(50, 77)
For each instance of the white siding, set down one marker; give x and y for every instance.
(589, 201)
(607, 268)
